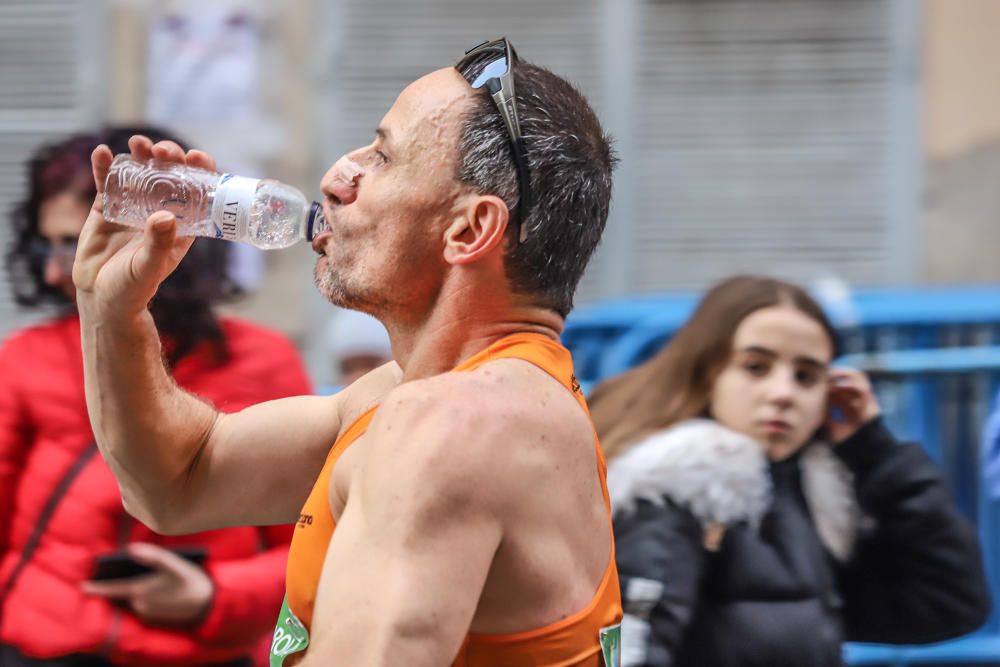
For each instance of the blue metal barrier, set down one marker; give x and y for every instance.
(871, 320)
(591, 330)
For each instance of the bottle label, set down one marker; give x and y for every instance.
(231, 211)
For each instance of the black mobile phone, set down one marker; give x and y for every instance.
(120, 565)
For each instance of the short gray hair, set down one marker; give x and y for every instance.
(571, 162)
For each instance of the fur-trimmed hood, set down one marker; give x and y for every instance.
(723, 478)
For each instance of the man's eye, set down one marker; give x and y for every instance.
(380, 157)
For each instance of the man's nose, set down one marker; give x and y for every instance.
(342, 179)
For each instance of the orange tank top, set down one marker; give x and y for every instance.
(588, 638)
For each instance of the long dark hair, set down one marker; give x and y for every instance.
(676, 384)
(182, 307)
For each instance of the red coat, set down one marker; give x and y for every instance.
(44, 429)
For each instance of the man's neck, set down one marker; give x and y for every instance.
(462, 323)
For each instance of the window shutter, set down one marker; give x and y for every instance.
(50, 61)
(764, 142)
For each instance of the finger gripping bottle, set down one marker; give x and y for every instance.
(261, 212)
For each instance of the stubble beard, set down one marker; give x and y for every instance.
(335, 287)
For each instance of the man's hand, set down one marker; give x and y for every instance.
(177, 593)
(118, 269)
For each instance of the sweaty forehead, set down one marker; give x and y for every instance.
(428, 113)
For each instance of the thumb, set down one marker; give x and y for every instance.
(160, 231)
(120, 589)
(161, 249)
(158, 558)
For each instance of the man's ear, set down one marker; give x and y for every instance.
(477, 230)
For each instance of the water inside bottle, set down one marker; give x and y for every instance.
(277, 216)
(135, 190)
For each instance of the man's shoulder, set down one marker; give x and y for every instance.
(510, 392)
(490, 419)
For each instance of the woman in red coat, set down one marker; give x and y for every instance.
(59, 504)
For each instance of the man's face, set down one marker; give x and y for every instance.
(384, 250)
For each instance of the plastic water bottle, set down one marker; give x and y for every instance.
(261, 212)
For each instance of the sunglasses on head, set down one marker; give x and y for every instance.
(489, 65)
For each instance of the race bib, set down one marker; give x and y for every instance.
(611, 645)
(290, 636)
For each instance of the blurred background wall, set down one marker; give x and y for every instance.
(857, 139)
(961, 99)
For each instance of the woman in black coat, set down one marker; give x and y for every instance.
(763, 512)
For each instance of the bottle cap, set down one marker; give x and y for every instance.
(316, 223)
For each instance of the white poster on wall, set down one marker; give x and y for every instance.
(203, 64)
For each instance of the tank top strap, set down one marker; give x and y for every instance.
(538, 349)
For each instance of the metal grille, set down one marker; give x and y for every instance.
(50, 59)
(764, 142)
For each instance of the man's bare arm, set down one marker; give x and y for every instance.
(407, 564)
(180, 464)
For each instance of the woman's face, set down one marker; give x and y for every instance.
(60, 220)
(774, 386)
